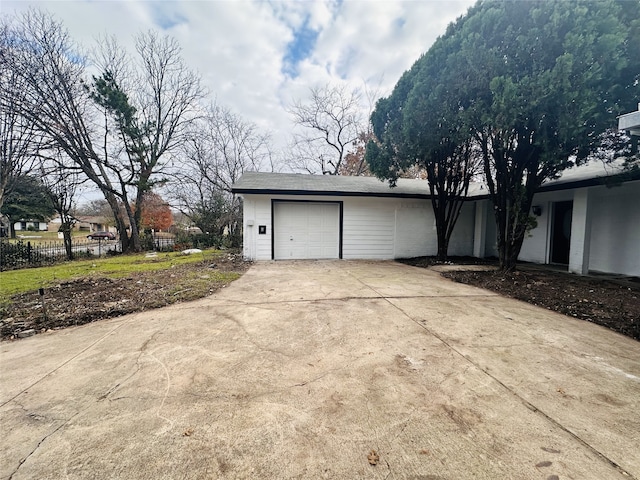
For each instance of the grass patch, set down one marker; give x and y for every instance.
(20, 281)
(45, 237)
(198, 285)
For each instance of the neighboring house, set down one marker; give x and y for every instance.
(94, 224)
(85, 224)
(30, 225)
(583, 220)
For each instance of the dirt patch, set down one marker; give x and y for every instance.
(612, 303)
(92, 298)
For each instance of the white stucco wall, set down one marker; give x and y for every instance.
(373, 228)
(613, 245)
(461, 242)
(615, 229)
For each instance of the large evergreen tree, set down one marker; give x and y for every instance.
(418, 126)
(536, 86)
(28, 200)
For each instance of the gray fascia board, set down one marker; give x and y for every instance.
(629, 121)
(327, 193)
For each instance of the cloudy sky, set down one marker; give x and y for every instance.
(256, 57)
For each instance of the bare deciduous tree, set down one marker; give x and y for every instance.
(18, 138)
(332, 120)
(62, 180)
(120, 138)
(151, 117)
(219, 151)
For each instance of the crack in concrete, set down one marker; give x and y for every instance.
(335, 299)
(141, 351)
(315, 379)
(348, 298)
(23, 460)
(250, 338)
(525, 402)
(102, 397)
(389, 468)
(521, 399)
(69, 360)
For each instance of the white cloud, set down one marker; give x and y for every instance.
(239, 46)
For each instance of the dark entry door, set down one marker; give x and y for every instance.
(561, 232)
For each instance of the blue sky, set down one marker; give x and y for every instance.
(257, 56)
(299, 48)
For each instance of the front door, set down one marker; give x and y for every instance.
(561, 232)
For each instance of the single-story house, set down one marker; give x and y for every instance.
(85, 223)
(94, 224)
(31, 225)
(588, 219)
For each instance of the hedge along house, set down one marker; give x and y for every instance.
(584, 221)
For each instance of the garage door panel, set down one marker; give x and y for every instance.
(306, 230)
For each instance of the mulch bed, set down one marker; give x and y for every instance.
(92, 298)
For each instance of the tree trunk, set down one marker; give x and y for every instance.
(121, 224)
(134, 223)
(443, 241)
(509, 256)
(65, 228)
(513, 227)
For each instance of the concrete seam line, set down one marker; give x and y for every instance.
(279, 302)
(522, 400)
(68, 361)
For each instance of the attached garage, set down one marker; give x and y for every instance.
(306, 230)
(291, 216)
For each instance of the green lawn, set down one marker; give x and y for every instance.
(19, 281)
(45, 237)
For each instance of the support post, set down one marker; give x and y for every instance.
(480, 229)
(580, 233)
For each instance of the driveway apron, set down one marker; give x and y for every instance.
(325, 369)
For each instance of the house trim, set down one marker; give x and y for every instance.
(328, 193)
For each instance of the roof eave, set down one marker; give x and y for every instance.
(326, 193)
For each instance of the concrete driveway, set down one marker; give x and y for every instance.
(302, 369)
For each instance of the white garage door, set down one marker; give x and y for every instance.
(306, 230)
